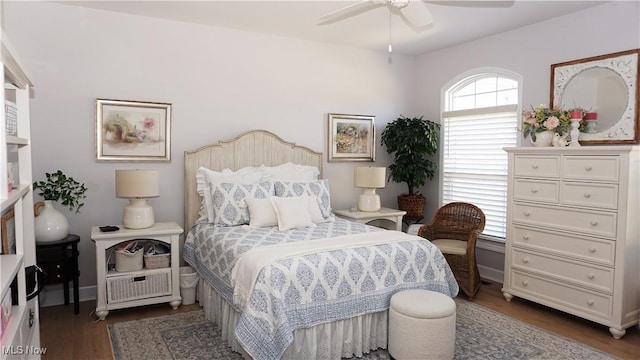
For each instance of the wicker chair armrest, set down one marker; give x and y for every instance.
(427, 232)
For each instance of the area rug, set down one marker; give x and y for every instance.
(481, 333)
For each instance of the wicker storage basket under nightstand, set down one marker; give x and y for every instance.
(138, 285)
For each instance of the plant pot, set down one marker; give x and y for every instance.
(413, 205)
(543, 139)
(50, 224)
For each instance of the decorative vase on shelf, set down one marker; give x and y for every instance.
(543, 138)
(50, 224)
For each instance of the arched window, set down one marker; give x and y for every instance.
(480, 119)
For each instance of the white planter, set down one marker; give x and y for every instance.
(543, 139)
(50, 224)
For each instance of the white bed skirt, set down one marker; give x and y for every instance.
(344, 338)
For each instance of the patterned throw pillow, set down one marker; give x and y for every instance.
(226, 200)
(319, 188)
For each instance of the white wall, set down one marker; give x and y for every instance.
(221, 82)
(529, 51)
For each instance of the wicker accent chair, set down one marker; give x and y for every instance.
(454, 229)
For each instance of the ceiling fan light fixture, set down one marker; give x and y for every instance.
(399, 4)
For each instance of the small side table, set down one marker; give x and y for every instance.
(59, 259)
(364, 217)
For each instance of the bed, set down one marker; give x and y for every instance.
(285, 290)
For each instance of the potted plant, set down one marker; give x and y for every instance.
(51, 224)
(411, 142)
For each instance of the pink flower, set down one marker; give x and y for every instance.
(148, 123)
(552, 123)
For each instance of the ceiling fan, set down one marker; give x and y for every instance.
(413, 12)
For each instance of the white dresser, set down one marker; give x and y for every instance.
(573, 223)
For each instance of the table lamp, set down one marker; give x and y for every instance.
(369, 178)
(137, 186)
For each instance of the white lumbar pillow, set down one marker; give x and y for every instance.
(261, 213)
(292, 212)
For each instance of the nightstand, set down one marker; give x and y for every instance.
(118, 290)
(59, 259)
(364, 217)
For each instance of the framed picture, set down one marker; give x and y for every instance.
(8, 232)
(352, 138)
(132, 131)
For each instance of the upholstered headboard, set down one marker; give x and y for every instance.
(253, 148)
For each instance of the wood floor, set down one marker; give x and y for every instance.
(68, 336)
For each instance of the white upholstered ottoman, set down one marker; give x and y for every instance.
(422, 325)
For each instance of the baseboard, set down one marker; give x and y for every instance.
(492, 274)
(54, 295)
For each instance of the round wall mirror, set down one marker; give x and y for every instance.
(606, 86)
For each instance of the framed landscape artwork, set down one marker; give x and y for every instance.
(132, 131)
(351, 138)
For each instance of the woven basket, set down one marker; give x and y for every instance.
(156, 261)
(126, 261)
(413, 205)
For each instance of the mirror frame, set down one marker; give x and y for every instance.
(623, 63)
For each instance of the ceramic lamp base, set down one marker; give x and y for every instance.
(138, 215)
(369, 201)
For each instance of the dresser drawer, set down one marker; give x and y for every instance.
(584, 248)
(591, 195)
(604, 168)
(536, 190)
(537, 166)
(597, 278)
(561, 296)
(583, 221)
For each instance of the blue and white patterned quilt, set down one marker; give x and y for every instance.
(306, 290)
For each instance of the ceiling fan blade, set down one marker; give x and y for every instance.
(416, 15)
(473, 3)
(348, 11)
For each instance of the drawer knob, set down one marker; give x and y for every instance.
(590, 302)
(592, 250)
(587, 195)
(594, 223)
(58, 276)
(57, 266)
(525, 260)
(591, 276)
(534, 190)
(525, 237)
(526, 213)
(588, 168)
(525, 283)
(534, 166)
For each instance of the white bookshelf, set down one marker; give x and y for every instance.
(21, 337)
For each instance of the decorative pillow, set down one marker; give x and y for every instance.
(292, 212)
(292, 172)
(261, 212)
(319, 188)
(226, 201)
(246, 175)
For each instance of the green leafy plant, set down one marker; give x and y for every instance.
(63, 189)
(411, 141)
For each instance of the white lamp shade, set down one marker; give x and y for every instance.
(137, 183)
(369, 177)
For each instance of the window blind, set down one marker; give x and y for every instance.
(474, 166)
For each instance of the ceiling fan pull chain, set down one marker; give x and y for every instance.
(390, 48)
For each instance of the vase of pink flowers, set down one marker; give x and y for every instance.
(541, 123)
